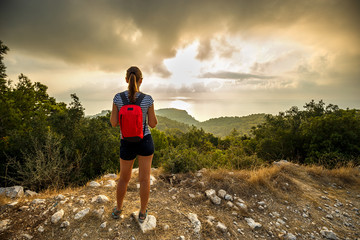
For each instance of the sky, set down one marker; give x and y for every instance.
(212, 58)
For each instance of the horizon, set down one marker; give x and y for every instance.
(231, 59)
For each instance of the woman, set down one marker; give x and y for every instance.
(144, 149)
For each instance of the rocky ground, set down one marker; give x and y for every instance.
(282, 201)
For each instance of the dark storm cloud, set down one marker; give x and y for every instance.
(109, 35)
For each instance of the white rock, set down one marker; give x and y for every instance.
(262, 203)
(103, 225)
(13, 203)
(213, 197)
(221, 226)
(29, 193)
(60, 197)
(328, 234)
(57, 216)
(4, 224)
(195, 222)
(94, 184)
(242, 205)
(166, 227)
(23, 208)
(253, 225)
(280, 163)
(14, 192)
(82, 213)
(27, 236)
(110, 183)
(100, 199)
(149, 223)
(280, 221)
(152, 180)
(221, 193)
(65, 224)
(289, 236)
(110, 175)
(230, 204)
(41, 229)
(191, 195)
(38, 201)
(210, 192)
(229, 197)
(99, 212)
(181, 238)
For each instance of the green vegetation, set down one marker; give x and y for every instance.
(177, 115)
(44, 143)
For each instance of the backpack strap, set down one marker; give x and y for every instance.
(124, 98)
(140, 98)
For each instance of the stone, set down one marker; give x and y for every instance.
(211, 194)
(152, 180)
(4, 224)
(100, 199)
(27, 236)
(149, 223)
(60, 197)
(82, 213)
(195, 222)
(14, 192)
(65, 224)
(55, 218)
(242, 205)
(228, 197)
(38, 201)
(328, 234)
(166, 227)
(94, 184)
(181, 238)
(41, 229)
(13, 203)
(99, 212)
(103, 225)
(253, 225)
(221, 193)
(280, 163)
(262, 203)
(289, 236)
(110, 183)
(23, 208)
(191, 195)
(110, 175)
(230, 204)
(221, 227)
(29, 193)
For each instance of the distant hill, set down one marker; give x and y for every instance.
(102, 114)
(165, 123)
(177, 115)
(224, 125)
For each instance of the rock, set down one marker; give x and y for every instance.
(152, 180)
(166, 227)
(60, 197)
(195, 222)
(4, 224)
(23, 208)
(328, 234)
(230, 204)
(212, 195)
(110, 175)
(289, 236)
(100, 199)
(55, 218)
(110, 183)
(14, 192)
(210, 220)
(27, 236)
(191, 195)
(99, 212)
(103, 225)
(38, 201)
(262, 203)
(82, 213)
(13, 203)
(94, 184)
(65, 224)
(280, 163)
(181, 238)
(41, 229)
(242, 205)
(29, 193)
(221, 193)
(149, 223)
(228, 197)
(221, 227)
(253, 225)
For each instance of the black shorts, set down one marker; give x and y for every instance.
(129, 150)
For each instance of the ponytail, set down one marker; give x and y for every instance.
(133, 74)
(132, 87)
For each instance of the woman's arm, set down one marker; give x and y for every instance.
(152, 117)
(114, 116)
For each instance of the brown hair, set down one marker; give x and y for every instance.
(133, 74)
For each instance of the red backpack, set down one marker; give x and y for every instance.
(131, 119)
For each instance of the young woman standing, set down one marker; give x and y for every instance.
(144, 149)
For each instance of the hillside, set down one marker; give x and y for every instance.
(165, 123)
(177, 115)
(283, 201)
(220, 127)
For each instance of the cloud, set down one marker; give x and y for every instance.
(112, 35)
(234, 76)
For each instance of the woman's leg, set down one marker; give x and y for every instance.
(144, 179)
(125, 175)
